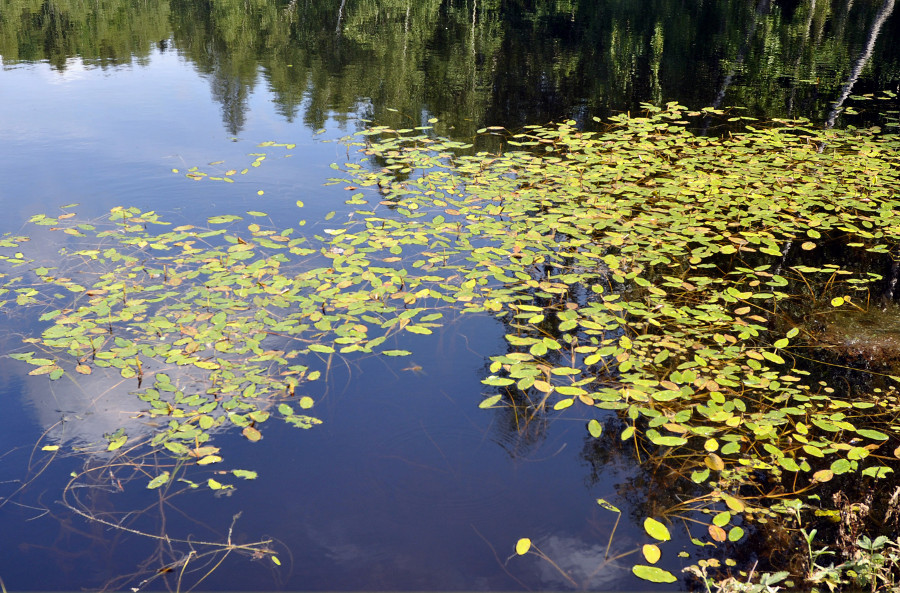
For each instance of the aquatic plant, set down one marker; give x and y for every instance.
(669, 287)
(675, 279)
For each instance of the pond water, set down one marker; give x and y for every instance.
(407, 484)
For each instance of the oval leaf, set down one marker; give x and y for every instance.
(654, 574)
(651, 553)
(522, 546)
(717, 533)
(656, 529)
(251, 433)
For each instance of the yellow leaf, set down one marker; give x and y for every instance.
(543, 386)
(734, 504)
(714, 462)
(522, 546)
(823, 475)
(651, 553)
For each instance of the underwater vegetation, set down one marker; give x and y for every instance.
(720, 309)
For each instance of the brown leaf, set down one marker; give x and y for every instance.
(717, 533)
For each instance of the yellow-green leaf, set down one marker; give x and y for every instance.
(656, 529)
(654, 574)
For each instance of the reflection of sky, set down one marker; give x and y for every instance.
(108, 137)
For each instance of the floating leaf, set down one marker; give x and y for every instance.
(158, 481)
(714, 462)
(717, 533)
(251, 433)
(654, 574)
(668, 441)
(841, 466)
(563, 404)
(522, 546)
(656, 529)
(607, 505)
(872, 434)
(651, 553)
(595, 428)
(722, 519)
(321, 348)
(878, 471)
(396, 352)
(823, 475)
(733, 503)
(117, 442)
(490, 401)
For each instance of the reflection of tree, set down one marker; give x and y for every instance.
(103, 33)
(862, 60)
(479, 62)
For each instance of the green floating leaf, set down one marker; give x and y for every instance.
(215, 484)
(607, 505)
(654, 574)
(158, 481)
(245, 474)
(841, 466)
(117, 442)
(490, 401)
(563, 404)
(656, 529)
(878, 471)
(595, 428)
(222, 219)
(771, 356)
(321, 348)
(872, 434)
(396, 352)
(668, 441)
(722, 519)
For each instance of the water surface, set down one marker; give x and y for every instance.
(407, 485)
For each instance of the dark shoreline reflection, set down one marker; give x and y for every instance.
(473, 64)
